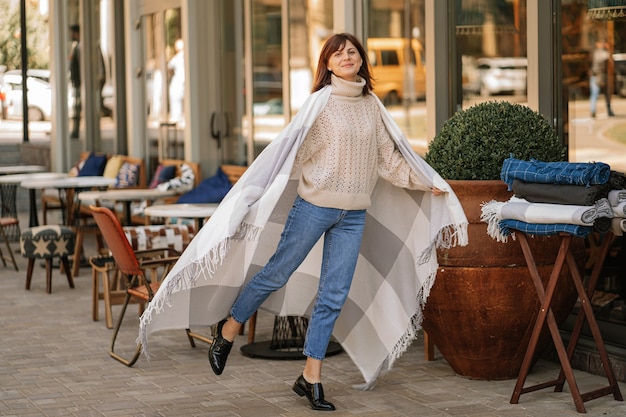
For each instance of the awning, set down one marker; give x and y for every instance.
(606, 9)
(473, 19)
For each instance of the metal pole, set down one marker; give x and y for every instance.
(24, 53)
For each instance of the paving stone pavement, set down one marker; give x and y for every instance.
(54, 362)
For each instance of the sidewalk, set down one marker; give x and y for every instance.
(54, 362)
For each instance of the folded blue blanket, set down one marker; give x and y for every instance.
(571, 173)
(508, 226)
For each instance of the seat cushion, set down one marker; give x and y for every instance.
(173, 236)
(128, 175)
(47, 241)
(162, 174)
(94, 166)
(210, 190)
(113, 166)
(184, 182)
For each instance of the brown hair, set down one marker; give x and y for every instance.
(335, 43)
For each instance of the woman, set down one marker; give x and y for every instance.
(341, 158)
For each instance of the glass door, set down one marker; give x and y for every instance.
(283, 40)
(395, 44)
(164, 78)
(227, 121)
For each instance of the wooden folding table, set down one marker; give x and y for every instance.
(546, 315)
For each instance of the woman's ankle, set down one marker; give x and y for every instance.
(231, 329)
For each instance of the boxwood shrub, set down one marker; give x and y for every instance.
(473, 143)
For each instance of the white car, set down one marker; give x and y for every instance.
(492, 76)
(39, 97)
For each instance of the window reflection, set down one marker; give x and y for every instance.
(280, 85)
(596, 132)
(491, 43)
(396, 51)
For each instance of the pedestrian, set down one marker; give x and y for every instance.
(177, 83)
(342, 156)
(598, 77)
(76, 79)
(341, 187)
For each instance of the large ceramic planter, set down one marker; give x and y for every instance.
(482, 307)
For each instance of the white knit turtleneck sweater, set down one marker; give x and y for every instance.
(346, 150)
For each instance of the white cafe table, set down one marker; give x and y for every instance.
(8, 192)
(199, 212)
(21, 169)
(77, 184)
(127, 196)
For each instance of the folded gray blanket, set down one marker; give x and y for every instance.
(577, 195)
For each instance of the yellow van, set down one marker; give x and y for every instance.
(391, 62)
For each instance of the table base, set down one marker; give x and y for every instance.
(287, 341)
(264, 350)
(546, 315)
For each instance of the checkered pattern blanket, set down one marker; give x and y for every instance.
(541, 213)
(508, 227)
(396, 267)
(172, 236)
(581, 173)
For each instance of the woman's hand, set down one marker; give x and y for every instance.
(436, 191)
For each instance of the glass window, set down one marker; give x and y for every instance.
(593, 74)
(281, 84)
(491, 44)
(395, 47)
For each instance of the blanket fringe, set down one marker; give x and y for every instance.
(187, 278)
(452, 235)
(490, 214)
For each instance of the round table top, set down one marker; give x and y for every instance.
(126, 194)
(181, 210)
(18, 178)
(69, 182)
(21, 169)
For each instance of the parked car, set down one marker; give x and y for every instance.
(40, 99)
(39, 96)
(490, 76)
(389, 58)
(42, 74)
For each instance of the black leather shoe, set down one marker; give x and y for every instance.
(314, 393)
(219, 350)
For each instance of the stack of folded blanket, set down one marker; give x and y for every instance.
(553, 197)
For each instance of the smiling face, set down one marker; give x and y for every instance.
(345, 62)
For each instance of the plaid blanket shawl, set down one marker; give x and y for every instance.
(494, 212)
(507, 227)
(395, 271)
(573, 173)
(616, 197)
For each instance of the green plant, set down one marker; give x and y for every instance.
(474, 142)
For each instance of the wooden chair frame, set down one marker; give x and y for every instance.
(143, 276)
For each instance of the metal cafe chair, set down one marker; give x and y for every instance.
(144, 275)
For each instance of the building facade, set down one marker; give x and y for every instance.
(213, 81)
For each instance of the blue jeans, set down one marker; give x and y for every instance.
(594, 93)
(306, 223)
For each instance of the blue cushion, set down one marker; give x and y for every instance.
(94, 166)
(210, 190)
(162, 174)
(128, 175)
